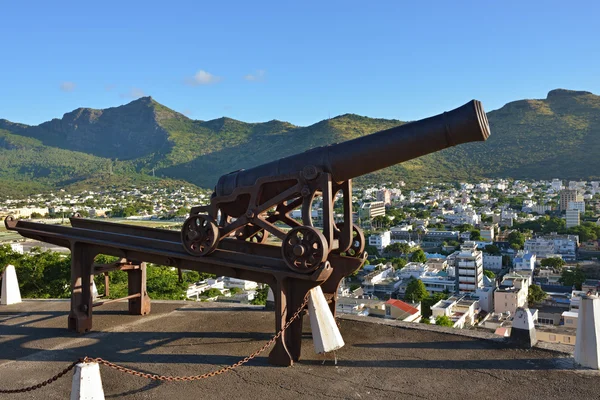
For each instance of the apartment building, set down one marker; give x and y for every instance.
(469, 268)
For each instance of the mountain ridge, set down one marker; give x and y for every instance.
(531, 138)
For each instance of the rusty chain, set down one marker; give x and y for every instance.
(45, 383)
(167, 378)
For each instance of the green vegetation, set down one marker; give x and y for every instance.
(489, 274)
(47, 274)
(553, 262)
(535, 295)
(143, 137)
(418, 256)
(415, 291)
(260, 299)
(443, 320)
(573, 277)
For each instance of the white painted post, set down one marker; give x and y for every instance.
(587, 343)
(522, 332)
(94, 291)
(87, 383)
(10, 287)
(325, 332)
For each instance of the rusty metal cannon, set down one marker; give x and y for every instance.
(228, 236)
(251, 204)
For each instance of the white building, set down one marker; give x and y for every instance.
(240, 283)
(557, 185)
(380, 240)
(511, 294)
(460, 310)
(486, 298)
(469, 267)
(577, 205)
(524, 261)
(492, 263)
(572, 217)
(487, 233)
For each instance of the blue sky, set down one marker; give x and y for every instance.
(298, 61)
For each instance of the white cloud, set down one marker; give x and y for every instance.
(67, 86)
(202, 78)
(134, 93)
(257, 76)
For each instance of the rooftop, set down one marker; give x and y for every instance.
(381, 359)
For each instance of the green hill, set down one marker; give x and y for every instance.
(534, 139)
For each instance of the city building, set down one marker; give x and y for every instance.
(492, 263)
(370, 210)
(487, 233)
(380, 240)
(549, 245)
(486, 298)
(524, 261)
(572, 216)
(385, 196)
(567, 195)
(511, 294)
(469, 268)
(461, 310)
(577, 205)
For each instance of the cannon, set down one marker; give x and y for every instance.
(250, 204)
(229, 235)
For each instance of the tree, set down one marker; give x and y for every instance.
(415, 291)
(492, 249)
(398, 262)
(260, 298)
(465, 227)
(371, 250)
(535, 294)
(354, 286)
(235, 290)
(444, 320)
(572, 277)
(489, 273)
(553, 262)
(418, 256)
(516, 238)
(397, 247)
(476, 235)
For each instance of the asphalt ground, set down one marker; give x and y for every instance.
(187, 338)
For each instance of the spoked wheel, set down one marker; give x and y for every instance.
(252, 233)
(199, 235)
(304, 249)
(357, 246)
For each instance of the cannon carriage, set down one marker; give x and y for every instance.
(252, 204)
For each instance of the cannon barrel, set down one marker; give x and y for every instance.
(379, 150)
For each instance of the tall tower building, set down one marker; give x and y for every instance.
(469, 268)
(567, 195)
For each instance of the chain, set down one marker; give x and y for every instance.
(45, 383)
(168, 378)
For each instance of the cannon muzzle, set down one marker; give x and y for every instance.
(379, 150)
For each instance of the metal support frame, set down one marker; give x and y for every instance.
(234, 258)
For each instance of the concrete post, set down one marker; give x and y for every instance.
(87, 383)
(522, 333)
(587, 344)
(10, 287)
(270, 300)
(325, 332)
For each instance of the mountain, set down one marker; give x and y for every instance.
(537, 139)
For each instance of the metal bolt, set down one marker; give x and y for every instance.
(250, 214)
(305, 192)
(310, 172)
